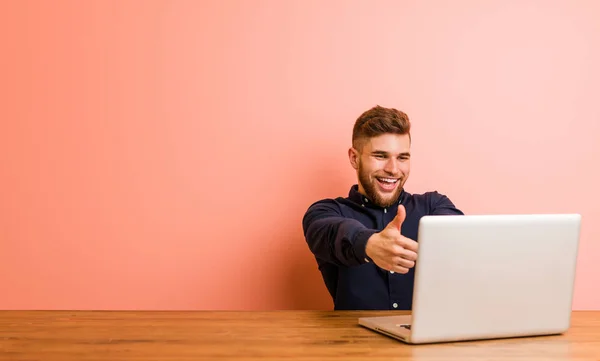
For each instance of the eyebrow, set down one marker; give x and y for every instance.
(381, 152)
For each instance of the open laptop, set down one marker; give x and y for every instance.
(489, 276)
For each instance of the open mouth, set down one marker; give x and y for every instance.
(387, 184)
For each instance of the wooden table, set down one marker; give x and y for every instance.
(278, 335)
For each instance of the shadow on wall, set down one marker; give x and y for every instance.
(303, 285)
(290, 280)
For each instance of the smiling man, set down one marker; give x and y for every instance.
(364, 244)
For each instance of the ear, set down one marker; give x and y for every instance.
(353, 156)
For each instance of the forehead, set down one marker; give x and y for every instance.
(389, 143)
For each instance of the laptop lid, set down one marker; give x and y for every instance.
(489, 276)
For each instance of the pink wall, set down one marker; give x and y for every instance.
(161, 154)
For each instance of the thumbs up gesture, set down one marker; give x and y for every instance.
(390, 250)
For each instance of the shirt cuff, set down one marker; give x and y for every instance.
(360, 245)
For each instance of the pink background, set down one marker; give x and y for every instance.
(161, 154)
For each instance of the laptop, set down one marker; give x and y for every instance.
(489, 276)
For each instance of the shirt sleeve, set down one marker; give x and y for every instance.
(334, 238)
(442, 205)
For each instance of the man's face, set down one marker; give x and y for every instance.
(382, 166)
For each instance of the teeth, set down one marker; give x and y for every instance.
(388, 180)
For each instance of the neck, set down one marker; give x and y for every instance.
(361, 190)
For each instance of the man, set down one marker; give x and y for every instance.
(364, 244)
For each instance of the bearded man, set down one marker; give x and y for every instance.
(365, 244)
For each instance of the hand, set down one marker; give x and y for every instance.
(390, 250)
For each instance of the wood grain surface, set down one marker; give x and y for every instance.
(276, 335)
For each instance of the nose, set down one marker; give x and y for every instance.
(392, 166)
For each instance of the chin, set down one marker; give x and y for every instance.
(388, 199)
(384, 201)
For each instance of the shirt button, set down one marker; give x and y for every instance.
(367, 260)
(385, 211)
(392, 272)
(395, 305)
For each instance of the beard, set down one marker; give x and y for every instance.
(371, 192)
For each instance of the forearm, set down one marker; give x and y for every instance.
(334, 238)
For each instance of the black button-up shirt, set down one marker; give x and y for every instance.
(337, 231)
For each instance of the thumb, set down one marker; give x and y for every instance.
(399, 219)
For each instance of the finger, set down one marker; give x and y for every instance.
(396, 223)
(386, 266)
(400, 269)
(399, 251)
(408, 255)
(408, 244)
(402, 262)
